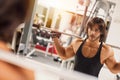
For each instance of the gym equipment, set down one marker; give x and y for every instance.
(50, 30)
(73, 35)
(34, 34)
(36, 25)
(43, 43)
(55, 34)
(118, 77)
(47, 42)
(57, 59)
(44, 34)
(47, 35)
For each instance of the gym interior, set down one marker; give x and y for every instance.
(32, 39)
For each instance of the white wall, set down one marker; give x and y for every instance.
(65, 21)
(114, 31)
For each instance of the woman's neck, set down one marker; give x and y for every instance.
(93, 42)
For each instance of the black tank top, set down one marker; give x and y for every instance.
(90, 66)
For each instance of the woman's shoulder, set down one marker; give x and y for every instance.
(107, 47)
(107, 50)
(77, 41)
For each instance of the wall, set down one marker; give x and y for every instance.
(114, 31)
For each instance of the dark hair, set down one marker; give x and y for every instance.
(101, 24)
(12, 13)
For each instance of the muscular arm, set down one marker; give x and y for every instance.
(64, 53)
(111, 63)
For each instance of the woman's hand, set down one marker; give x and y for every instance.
(55, 34)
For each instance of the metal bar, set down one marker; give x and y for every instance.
(73, 35)
(82, 27)
(49, 29)
(117, 47)
(28, 26)
(91, 12)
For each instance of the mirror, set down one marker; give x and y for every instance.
(65, 19)
(68, 20)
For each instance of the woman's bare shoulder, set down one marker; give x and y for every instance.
(107, 51)
(76, 41)
(107, 47)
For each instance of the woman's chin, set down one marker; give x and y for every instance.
(92, 39)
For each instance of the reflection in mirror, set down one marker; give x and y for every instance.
(105, 9)
(66, 20)
(71, 20)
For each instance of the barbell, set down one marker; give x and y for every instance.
(54, 30)
(73, 35)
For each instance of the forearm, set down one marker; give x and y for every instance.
(60, 49)
(116, 68)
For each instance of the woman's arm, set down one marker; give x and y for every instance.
(64, 53)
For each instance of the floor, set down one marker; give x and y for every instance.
(49, 59)
(47, 75)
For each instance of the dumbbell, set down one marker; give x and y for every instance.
(43, 33)
(47, 35)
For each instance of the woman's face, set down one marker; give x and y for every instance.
(94, 33)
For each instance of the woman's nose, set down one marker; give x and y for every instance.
(92, 31)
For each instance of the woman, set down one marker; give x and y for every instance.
(12, 13)
(91, 53)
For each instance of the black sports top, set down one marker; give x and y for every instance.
(90, 66)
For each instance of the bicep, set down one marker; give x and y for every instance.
(69, 52)
(110, 60)
(71, 49)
